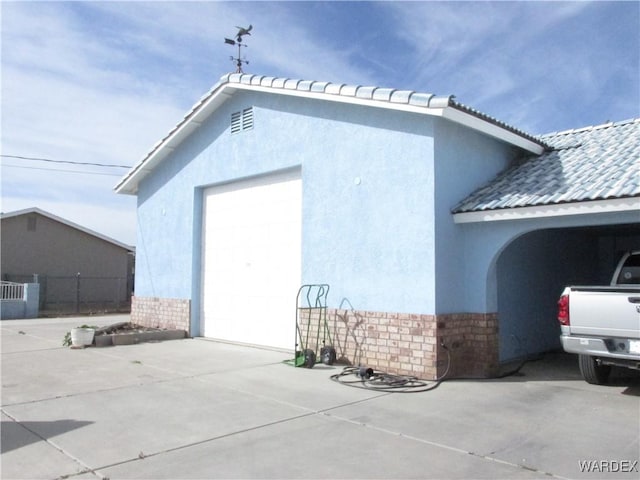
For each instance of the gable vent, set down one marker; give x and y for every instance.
(236, 122)
(242, 120)
(247, 118)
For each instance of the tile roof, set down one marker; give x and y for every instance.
(592, 163)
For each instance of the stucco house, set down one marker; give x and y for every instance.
(78, 269)
(445, 234)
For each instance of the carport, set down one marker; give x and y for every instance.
(565, 217)
(533, 269)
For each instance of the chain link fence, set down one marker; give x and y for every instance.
(77, 294)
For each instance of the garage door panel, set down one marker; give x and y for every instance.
(252, 260)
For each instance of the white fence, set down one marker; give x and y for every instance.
(19, 300)
(11, 291)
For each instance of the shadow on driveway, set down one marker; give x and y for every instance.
(561, 367)
(20, 434)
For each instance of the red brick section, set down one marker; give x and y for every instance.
(472, 342)
(408, 344)
(169, 313)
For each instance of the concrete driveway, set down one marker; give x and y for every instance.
(201, 409)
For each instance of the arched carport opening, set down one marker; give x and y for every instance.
(532, 270)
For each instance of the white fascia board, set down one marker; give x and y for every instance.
(492, 129)
(557, 210)
(129, 183)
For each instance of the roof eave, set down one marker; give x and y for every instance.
(217, 96)
(493, 129)
(612, 205)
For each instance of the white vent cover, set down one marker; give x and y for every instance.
(242, 120)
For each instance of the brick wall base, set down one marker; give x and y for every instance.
(425, 346)
(472, 344)
(169, 313)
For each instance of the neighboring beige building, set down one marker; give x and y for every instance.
(78, 270)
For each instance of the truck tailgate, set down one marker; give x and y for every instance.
(617, 307)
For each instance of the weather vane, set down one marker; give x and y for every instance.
(238, 41)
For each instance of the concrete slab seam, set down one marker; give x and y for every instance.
(84, 469)
(22, 332)
(179, 377)
(100, 390)
(301, 407)
(32, 351)
(195, 375)
(143, 455)
(309, 413)
(446, 447)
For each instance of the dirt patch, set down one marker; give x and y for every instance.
(127, 333)
(124, 327)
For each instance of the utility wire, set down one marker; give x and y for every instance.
(65, 161)
(63, 171)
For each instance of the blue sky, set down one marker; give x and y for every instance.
(102, 82)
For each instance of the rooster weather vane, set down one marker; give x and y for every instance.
(238, 41)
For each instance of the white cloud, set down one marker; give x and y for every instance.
(547, 58)
(104, 81)
(288, 48)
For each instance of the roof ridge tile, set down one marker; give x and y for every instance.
(393, 96)
(366, 92)
(349, 90)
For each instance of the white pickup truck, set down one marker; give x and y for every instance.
(602, 324)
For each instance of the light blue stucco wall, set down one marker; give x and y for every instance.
(368, 199)
(465, 160)
(368, 213)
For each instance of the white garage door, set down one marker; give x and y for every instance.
(251, 260)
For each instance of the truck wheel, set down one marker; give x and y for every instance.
(592, 372)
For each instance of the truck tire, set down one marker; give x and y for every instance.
(592, 371)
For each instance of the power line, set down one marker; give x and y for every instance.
(63, 171)
(65, 161)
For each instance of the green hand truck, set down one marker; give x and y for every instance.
(311, 319)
